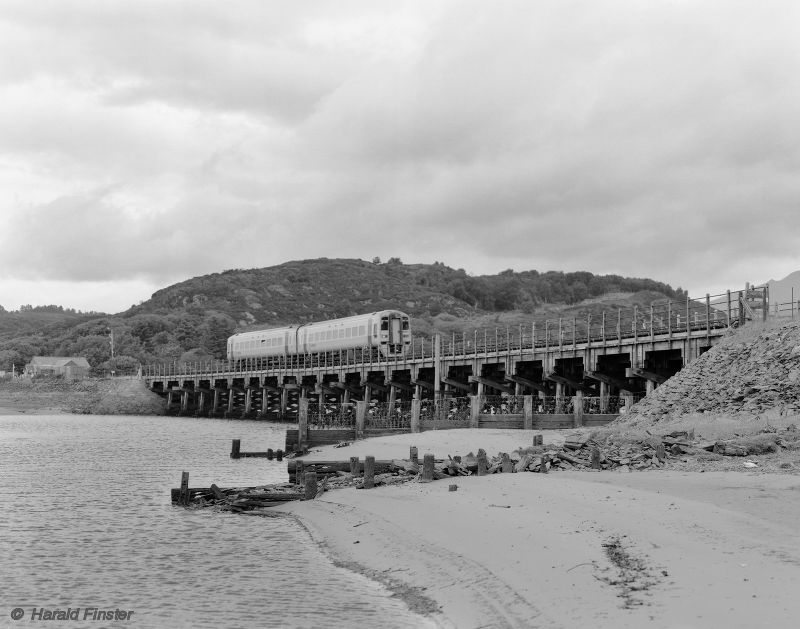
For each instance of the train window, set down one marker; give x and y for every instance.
(384, 324)
(362, 330)
(349, 332)
(405, 324)
(375, 329)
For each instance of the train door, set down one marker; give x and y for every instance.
(395, 334)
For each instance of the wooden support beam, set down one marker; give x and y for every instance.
(623, 385)
(343, 386)
(638, 372)
(375, 386)
(323, 388)
(424, 384)
(525, 382)
(461, 386)
(403, 386)
(500, 386)
(575, 384)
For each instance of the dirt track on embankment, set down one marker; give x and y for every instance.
(97, 396)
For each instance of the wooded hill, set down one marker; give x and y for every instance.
(191, 320)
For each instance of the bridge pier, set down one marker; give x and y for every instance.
(248, 400)
(284, 401)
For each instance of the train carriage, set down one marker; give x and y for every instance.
(387, 330)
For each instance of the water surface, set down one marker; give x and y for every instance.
(87, 522)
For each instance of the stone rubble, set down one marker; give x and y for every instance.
(752, 371)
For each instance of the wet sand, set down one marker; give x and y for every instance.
(664, 548)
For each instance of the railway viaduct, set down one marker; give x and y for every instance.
(623, 353)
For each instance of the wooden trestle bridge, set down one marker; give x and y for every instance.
(600, 362)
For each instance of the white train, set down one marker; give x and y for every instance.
(388, 330)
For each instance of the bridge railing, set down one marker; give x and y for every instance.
(659, 318)
(665, 317)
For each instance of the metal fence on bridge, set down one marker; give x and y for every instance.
(713, 313)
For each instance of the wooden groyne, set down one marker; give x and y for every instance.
(236, 452)
(234, 499)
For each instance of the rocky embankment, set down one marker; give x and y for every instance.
(98, 396)
(753, 371)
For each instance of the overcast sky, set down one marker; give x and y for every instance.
(146, 142)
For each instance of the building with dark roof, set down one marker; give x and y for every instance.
(70, 367)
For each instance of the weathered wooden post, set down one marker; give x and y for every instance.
(627, 396)
(538, 440)
(284, 400)
(577, 408)
(543, 466)
(475, 403)
(235, 445)
(415, 411)
(355, 467)
(661, 452)
(595, 458)
(302, 424)
(310, 484)
(427, 467)
(215, 401)
(604, 397)
(369, 472)
(361, 417)
(299, 470)
(413, 454)
(183, 498)
(506, 466)
(482, 463)
(527, 412)
(270, 454)
(279, 454)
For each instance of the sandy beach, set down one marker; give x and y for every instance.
(666, 548)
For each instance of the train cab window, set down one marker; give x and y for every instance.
(405, 324)
(384, 324)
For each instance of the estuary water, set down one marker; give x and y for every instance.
(86, 522)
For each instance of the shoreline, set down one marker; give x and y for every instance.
(94, 396)
(666, 548)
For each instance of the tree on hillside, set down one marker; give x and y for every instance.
(11, 359)
(214, 335)
(94, 347)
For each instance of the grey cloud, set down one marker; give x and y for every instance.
(653, 139)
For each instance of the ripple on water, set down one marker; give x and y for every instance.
(89, 524)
